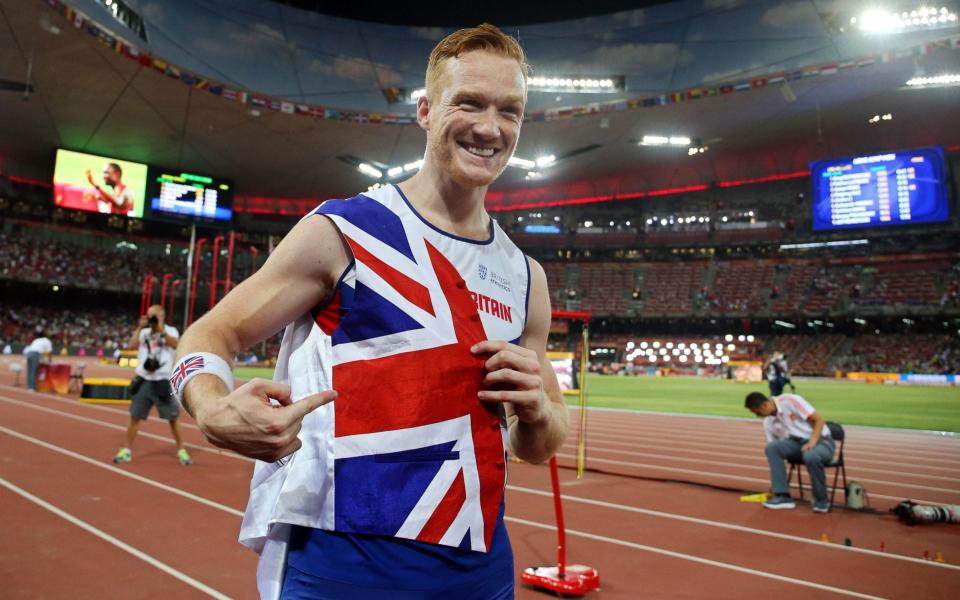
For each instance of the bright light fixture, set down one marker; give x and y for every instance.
(394, 171)
(655, 140)
(516, 161)
(413, 166)
(546, 161)
(370, 171)
(936, 80)
(565, 84)
(924, 17)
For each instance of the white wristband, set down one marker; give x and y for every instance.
(198, 363)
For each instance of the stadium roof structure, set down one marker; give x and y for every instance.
(275, 97)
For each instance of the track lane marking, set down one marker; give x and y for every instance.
(729, 526)
(696, 559)
(654, 549)
(147, 558)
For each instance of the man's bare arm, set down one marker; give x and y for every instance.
(536, 413)
(300, 273)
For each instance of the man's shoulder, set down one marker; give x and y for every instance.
(171, 330)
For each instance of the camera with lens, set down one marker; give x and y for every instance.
(151, 364)
(153, 321)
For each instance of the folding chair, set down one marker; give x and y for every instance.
(836, 431)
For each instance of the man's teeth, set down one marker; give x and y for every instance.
(480, 151)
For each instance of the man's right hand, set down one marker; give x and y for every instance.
(143, 322)
(246, 422)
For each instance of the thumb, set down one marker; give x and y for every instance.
(308, 404)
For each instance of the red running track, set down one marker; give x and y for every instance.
(79, 526)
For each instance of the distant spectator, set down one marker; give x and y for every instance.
(40, 347)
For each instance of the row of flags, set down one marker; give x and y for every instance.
(253, 99)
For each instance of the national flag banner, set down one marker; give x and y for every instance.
(846, 64)
(777, 79)
(318, 112)
(302, 109)
(286, 107)
(566, 113)
(159, 65)
(552, 114)
(275, 105)
(794, 75)
(828, 69)
(759, 82)
(229, 93)
(174, 73)
(676, 97)
(810, 72)
(376, 118)
(743, 86)
(131, 52)
(711, 91)
(216, 89)
(888, 57)
(202, 84)
(726, 89)
(146, 60)
(330, 113)
(259, 101)
(866, 62)
(649, 102)
(694, 94)
(593, 107)
(185, 369)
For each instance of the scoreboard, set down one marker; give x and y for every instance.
(190, 195)
(895, 188)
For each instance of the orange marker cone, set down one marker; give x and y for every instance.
(825, 538)
(939, 558)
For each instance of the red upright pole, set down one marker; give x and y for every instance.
(197, 253)
(173, 295)
(254, 252)
(143, 294)
(213, 275)
(226, 284)
(561, 530)
(163, 290)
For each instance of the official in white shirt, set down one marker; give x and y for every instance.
(795, 431)
(40, 346)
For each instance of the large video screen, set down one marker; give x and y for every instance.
(896, 188)
(99, 184)
(174, 193)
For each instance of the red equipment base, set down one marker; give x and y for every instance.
(578, 581)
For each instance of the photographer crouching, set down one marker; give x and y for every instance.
(155, 343)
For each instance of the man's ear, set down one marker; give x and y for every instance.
(423, 112)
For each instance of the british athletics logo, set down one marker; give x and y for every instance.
(185, 368)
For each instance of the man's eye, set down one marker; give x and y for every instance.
(470, 103)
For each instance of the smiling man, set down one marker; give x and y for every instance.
(431, 325)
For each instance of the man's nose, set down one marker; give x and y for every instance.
(486, 125)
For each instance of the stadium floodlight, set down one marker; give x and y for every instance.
(516, 161)
(724, 359)
(644, 345)
(669, 344)
(683, 359)
(878, 21)
(679, 141)
(675, 352)
(663, 351)
(370, 171)
(654, 140)
(566, 83)
(413, 166)
(787, 325)
(656, 344)
(417, 94)
(731, 347)
(394, 171)
(741, 338)
(546, 161)
(728, 338)
(945, 80)
(750, 338)
(653, 359)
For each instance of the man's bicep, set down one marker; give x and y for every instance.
(300, 273)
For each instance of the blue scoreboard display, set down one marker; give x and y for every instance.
(895, 188)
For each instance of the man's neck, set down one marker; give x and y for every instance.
(447, 205)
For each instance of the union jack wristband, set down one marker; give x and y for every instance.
(195, 364)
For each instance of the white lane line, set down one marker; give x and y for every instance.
(764, 481)
(134, 476)
(736, 465)
(860, 461)
(150, 560)
(730, 526)
(676, 439)
(696, 559)
(628, 544)
(147, 434)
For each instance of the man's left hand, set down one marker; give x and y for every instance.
(810, 445)
(513, 375)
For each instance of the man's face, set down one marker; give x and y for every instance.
(110, 176)
(764, 410)
(474, 120)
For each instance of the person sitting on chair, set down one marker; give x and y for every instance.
(795, 431)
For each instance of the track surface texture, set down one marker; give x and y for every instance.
(657, 512)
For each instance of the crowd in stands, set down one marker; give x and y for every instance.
(94, 330)
(757, 288)
(63, 263)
